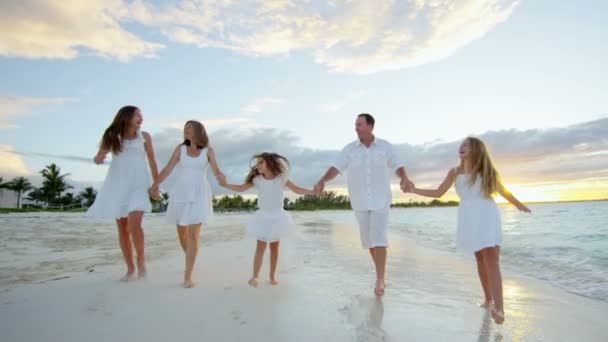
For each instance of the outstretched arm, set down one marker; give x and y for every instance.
(168, 168)
(100, 156)
(215, 167)
(237, 188)
(331, 173)
(298, 190)
(509, 197)
(150, 153)
(441, 190)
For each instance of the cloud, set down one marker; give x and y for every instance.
(12, 165)
(262, 104)
(332, 107)
(567, 154)
(344, 35)
(66, 29)
(12, 107)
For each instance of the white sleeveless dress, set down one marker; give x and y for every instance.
(271, 222)
(479, 222)
(125, 188)
(190, 199)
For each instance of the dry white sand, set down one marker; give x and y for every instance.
(325, 293)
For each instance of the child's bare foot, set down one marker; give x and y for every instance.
(141, 270)
(379, 289)
(498, 316)
(142, 274)
(130, 276)
(188, 284)
(273, 282)
(253, 282)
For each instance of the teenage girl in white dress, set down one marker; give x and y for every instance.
(479, 224)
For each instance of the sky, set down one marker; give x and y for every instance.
(528, 77)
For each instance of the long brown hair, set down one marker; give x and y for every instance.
(113, 135)
(276, 163)
(200, 135)
(482, 165)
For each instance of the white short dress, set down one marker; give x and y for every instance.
(190, 199)
(125, 188)
(479, 222)
(271, 222)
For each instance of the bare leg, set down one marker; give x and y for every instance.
(483, 278)
(491, 256)
(257, 262)
(182, 236)
(274, 257)
(191, 252)
(124, 240)
(137, 235)
(380, 262)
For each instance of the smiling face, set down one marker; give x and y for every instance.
(136, 120)
(261, 165)
(363, 129)
(464, 151)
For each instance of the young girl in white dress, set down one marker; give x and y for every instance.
(124, 193)
(479, 222)
(190, 199)
(271, 222)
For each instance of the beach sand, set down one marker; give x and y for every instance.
(325, 293)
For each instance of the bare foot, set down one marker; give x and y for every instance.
(273, 282)
(188, 284)
(499, 316)
(379, 290)
(142, 274)
(130, 276)
(253, 282)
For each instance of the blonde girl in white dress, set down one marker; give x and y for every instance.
(190, 199)
(479, 223)
(271, 222)
(124, 193)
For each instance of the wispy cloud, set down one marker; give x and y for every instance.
(67, 29)
(262, 104)
(12, 165)
(13, 107)
(332, 107)
(352, 36)
(344, 35)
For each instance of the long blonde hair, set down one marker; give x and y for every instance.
(201, 140)
(482, 165)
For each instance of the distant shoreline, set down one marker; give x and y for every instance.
(400, 205)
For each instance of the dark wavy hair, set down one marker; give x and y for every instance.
(277, 164)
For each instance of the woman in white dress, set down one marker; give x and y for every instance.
(124, 193)
(271, 222)
(190, 199)
(479, 224)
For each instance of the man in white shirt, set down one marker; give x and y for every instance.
(370, 162)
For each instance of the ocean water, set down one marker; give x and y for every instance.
(563, 244)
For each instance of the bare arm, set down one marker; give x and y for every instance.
(214, 166)
(298, 190)
(150, 154)
(509, 197)
(168, 168)
(100, 156)
(406, 183)
(238, 188)
(331, 173)
(441, 190)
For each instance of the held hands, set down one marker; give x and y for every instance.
(319, 187)
(154, 192)
(407, 185)
(221, 179)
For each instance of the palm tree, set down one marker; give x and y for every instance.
(19, 185)
(87, 196)
(54, 183)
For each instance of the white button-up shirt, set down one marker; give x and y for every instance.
(369, 173)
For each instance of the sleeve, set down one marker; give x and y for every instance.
(393, 160)
(341, 162)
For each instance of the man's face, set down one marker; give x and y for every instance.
(362, 128)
